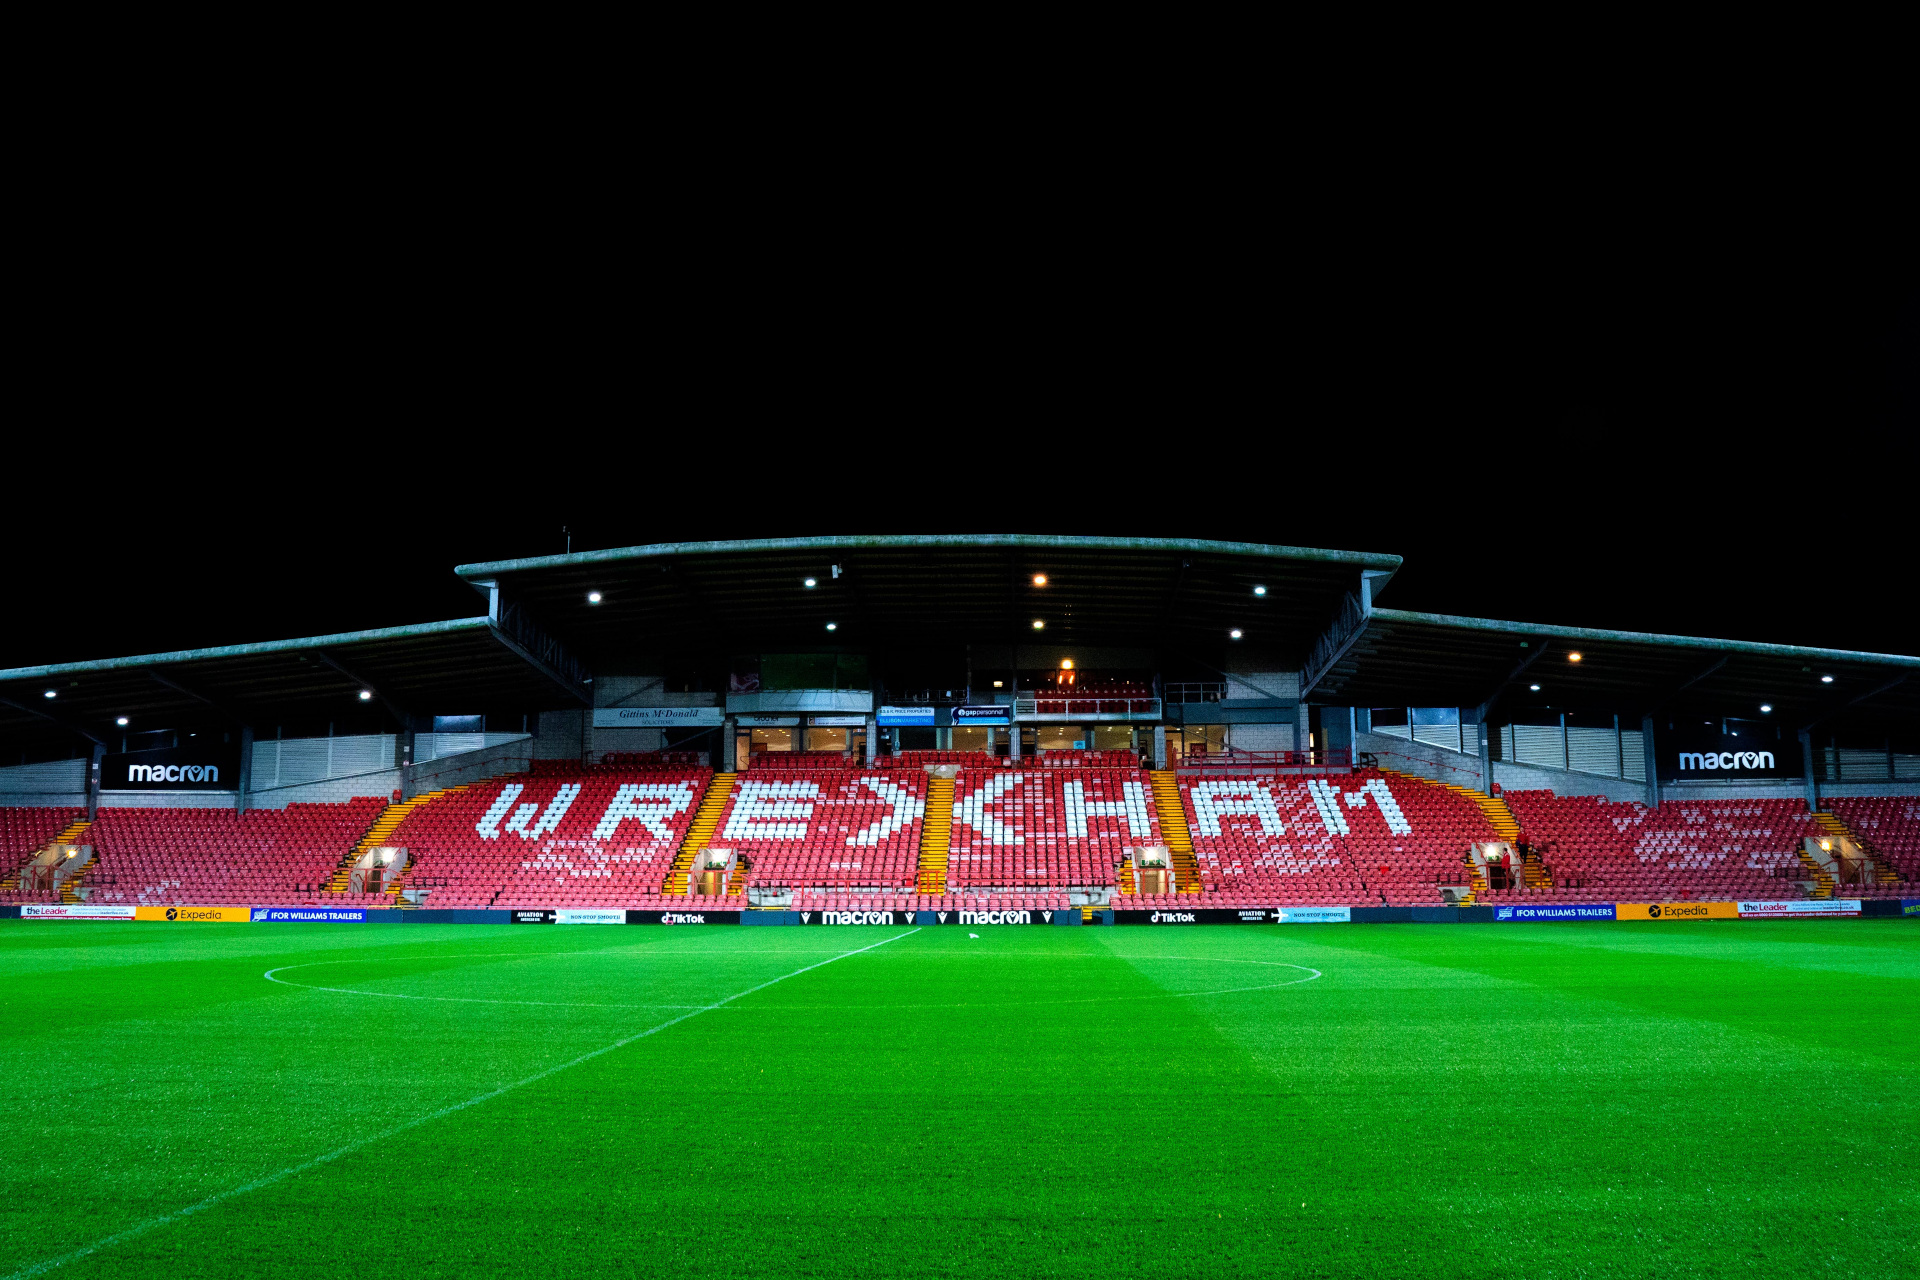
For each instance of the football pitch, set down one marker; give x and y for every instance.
(1711, 1098)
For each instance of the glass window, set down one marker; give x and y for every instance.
(1113, 737)
(976, 738)
(826, 739)
(1058, 737)
(772, 740)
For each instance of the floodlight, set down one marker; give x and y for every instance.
(52, 694)
(122, 722)
(1038, 625)
(1573, 657)
(1066, 664)
(366, 695)
(1823, 680)
(998, 683)
(1765, 707)
(812, 582)
(1259, 591)
(1235, 633)
(593, 597)
(1534, 687)
(1039, 579)
(833, 626)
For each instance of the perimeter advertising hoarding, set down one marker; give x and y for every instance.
(1237, 915)
(311, 915)
(890, 717)
(195, 915)
(1801, 910)
(1556, 911)
(1676, 911)
(1909, 907)
(657, 717)
(1702, 753)
(212, 767)
(72, 911)
(683, 917)
(592, 915)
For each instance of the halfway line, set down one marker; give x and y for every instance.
(140, 1229)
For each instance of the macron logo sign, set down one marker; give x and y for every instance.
(173, 773)
(1707, 760)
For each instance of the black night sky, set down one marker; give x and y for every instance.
(1699, 441)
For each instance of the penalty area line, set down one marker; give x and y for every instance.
(177, 1215)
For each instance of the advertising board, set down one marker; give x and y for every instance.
(72, 911)
(889, 717)
(195, 915)
(836, 722)
(530, 915)
(311, 915)
(657, 717)
(683, 917)
(983, 715)
(1806, 908)
(767, 722)
(1676, 911)
(595, 915)
(208, 766)
(1703, 753)
(1555, 911)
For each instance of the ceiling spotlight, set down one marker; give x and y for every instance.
(1259, 591)
(1066, 664)
(1039, 579)
(998, 683)
(1235, 633)
(366, 695)
(122, 722)
(811, 582)
(1534, 687)
(833, 626)
(1766, 706)
(593, 597)
(1573, 657)
(51, 694)
(1038, 625)
(1823, 680)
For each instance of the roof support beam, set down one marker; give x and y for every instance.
(61, 721)
(225, 709)
(1659, 704)
(1848, 705)
(520, 635)
(393, 708)
(1513, 677)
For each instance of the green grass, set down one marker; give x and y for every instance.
(1504, 1100)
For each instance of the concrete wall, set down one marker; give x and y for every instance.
(635, 691)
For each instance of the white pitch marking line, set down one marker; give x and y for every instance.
(140, 1229)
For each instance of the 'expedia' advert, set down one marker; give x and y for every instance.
(1676, 911)
(196, 915)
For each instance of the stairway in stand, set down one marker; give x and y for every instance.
(1505, 827)
(70, 836)
(1830, 825)
(380, 833)
(70, 890)
(936, 837)
(1173, 829)
(706, 820)
(1822, 878)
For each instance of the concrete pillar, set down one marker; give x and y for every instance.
(93, 781)
(1160, 746)
(246, 768)
(1806, 764)
(1653, 773)
(873, 742)
(404, 745)
(1486, 757)
(1013, 740)
(730, 745)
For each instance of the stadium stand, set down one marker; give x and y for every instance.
(828, 831)
(1021, 830)
(217, 857)
(1359, 839)
(1601, 851)
(583, 838)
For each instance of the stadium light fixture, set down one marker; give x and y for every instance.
(1066, 664)
(1039, 579)
(1534, 687)
(1823, 680)
(1826, 844)
(1235, 633)
(1765, 707)
(51, 693)
(366, 695)
(1038, 625)
(812, 582)
(593, 597)
(833, 626)
(121, 721)
(1573, 657)
(1259, 591)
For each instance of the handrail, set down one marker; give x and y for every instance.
(1439, 764)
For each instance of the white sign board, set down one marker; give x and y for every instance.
(656, 717)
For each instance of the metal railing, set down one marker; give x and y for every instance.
(1194, 691)
(1329, 760)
